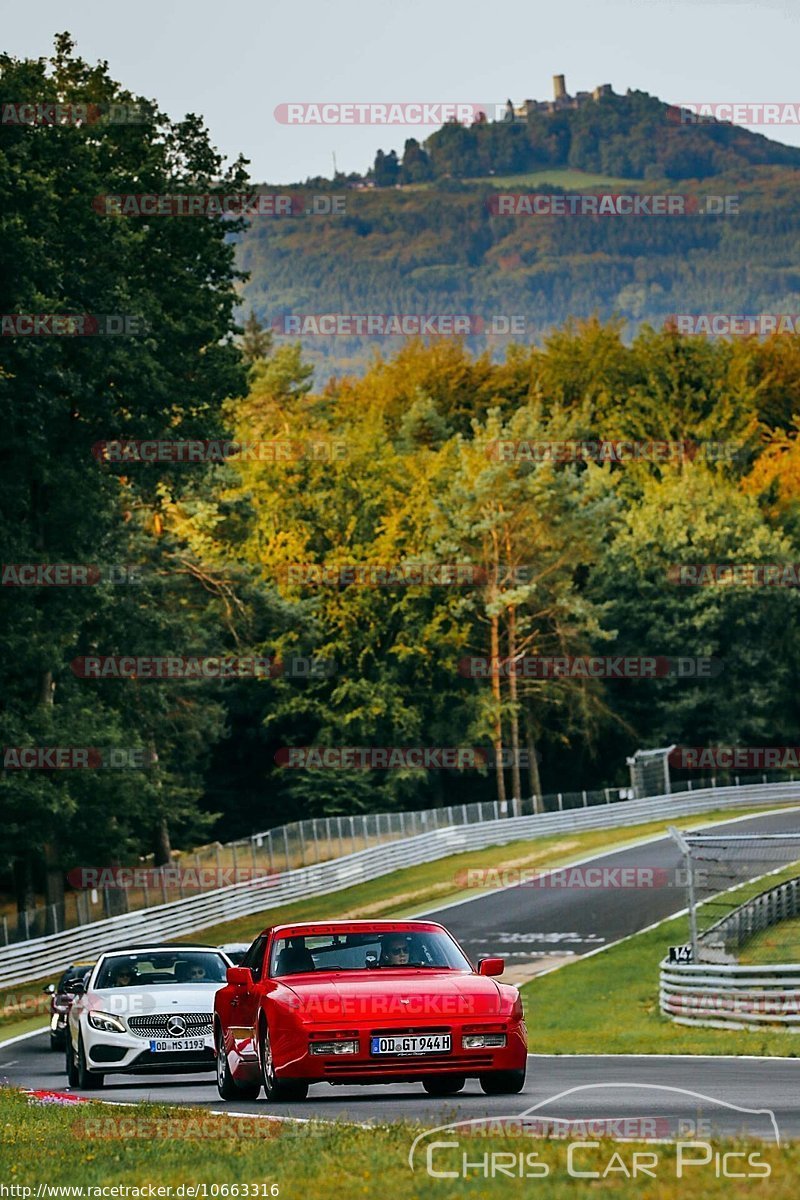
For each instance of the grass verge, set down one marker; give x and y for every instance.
(403, 893)
(779, 944)
(90, 1145)
(608, 1003)
(398, 894)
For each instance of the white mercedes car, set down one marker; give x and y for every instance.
(145, 1009)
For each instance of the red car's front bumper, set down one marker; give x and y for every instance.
(297, 1062)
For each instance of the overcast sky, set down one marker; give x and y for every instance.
(235, 62)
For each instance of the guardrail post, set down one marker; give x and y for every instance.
(608, 795)
(286, 846)
(302, 843)
(5, 930)
(585, 803)
(163, 888)
(560, 804)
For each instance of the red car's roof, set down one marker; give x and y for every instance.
(317, 928)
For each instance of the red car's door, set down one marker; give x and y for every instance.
(243, 1006)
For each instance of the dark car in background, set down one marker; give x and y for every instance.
(62, 995)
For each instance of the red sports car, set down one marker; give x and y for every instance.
(365, 1002)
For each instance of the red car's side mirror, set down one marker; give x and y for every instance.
(240, 976)
(491, 966)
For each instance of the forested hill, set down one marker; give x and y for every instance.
(636, 136)
(432, 242)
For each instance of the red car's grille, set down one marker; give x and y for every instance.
(423, 1031)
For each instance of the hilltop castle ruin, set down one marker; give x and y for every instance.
(562, 99)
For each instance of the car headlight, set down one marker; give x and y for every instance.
(334, 1047)
(107, 1022)
(483, 1041)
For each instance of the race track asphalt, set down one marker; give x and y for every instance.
(524, 923)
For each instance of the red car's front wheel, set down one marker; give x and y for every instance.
(227, 1086)
(503, 1083)
(274, 1088)
(444, 1085)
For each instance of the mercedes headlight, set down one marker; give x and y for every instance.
(107, 1022)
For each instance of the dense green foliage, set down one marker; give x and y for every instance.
(443, 250)
(635, 136)
(573, 556)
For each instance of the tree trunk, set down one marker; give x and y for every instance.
(53, 889)
(498, 725)
(516, 783)
(162, 848)
(534, 781)
(54, 876)
(23, 889)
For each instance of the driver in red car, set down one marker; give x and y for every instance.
(394, 951)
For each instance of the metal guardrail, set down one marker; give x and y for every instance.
(768, 908)
(726, 994)
(26, 961)
(731, 996)
(298, 844)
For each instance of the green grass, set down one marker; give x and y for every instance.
(780, 944)
(608, 1003)
(562, 177)
(403, 893)
(398, 894)
(90, 1145)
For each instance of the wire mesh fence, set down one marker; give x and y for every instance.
(743, 895)
(100, 892)
(107, 891)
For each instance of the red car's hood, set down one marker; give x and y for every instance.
(432, 996)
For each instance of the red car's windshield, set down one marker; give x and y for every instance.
(365, 951)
